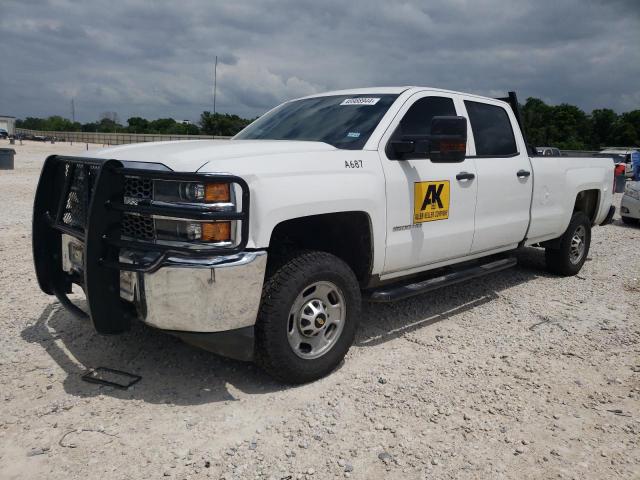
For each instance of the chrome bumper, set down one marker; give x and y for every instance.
(204, 295)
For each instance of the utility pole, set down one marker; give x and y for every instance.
(215, 83)
(215, 86)
(73, 115)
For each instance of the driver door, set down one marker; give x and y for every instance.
(430, 206)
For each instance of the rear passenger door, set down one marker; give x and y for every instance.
(504, 176)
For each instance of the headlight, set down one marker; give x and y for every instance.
(191, 192)
(192, 231)
(214, 196)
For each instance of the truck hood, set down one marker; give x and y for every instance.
(191, 155)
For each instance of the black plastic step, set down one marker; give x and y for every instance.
(397, 292)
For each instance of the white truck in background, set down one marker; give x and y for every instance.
(261, 248)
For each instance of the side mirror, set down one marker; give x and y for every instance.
(405, 147)
(402, 147)
(448, 139)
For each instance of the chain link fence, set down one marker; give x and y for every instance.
(108, 138)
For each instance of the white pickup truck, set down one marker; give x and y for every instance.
(261, 248)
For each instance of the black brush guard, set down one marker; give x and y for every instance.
(102, 203)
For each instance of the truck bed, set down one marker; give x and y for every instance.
(557, 182)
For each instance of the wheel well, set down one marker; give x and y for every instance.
(587, 202)
(346, 235)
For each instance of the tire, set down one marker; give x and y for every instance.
(574, 247)
(629, 220)
(298, 300)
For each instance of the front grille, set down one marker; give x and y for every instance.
(137, 226)
(137, 188)
(80, 179)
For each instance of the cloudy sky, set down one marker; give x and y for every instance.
(155, 58)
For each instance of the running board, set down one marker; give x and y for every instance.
(393, 293)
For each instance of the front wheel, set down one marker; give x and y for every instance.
(308, 317)
(574, 247)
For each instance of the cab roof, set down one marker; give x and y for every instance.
(393, 91)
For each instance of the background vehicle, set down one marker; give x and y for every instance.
(3, 133)
(548, 151)
(630, 203)
(621, 155)
(262, 247)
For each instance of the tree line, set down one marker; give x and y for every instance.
(568, 127)
(221, 124)
(564, 126)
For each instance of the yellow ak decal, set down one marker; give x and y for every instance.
(430, 201)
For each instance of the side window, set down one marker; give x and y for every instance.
(492, 130)
(416, 123)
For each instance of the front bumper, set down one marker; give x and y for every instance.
(206, 295)
(630, 207)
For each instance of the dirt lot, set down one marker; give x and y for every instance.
(518, 375)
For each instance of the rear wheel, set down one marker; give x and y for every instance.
(574, 247)
(308, 317)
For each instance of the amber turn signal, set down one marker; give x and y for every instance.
(217, 192)
(453, 147)
(216, 231)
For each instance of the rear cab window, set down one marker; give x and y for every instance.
(492, 130)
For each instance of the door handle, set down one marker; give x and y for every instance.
(523, 173)
(465, 176)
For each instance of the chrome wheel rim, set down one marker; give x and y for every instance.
(577, 247)
(316, 320)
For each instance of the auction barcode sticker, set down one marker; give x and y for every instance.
(360, 101)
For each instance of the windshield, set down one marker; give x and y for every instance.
(344, 121)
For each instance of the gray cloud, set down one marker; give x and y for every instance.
(156, 58)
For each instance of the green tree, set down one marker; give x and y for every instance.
(563, 126)
(603, 122)
(107, 125)
(536, 117)
(31, 123)
(162, 125)
(137, 125)
(222, 124)
(570, 127)
(633, 118)
(89, 127)
(624, 135)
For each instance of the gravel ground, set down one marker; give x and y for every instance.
(516, 375)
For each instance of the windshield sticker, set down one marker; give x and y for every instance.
(360, 101)
(353, 134)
